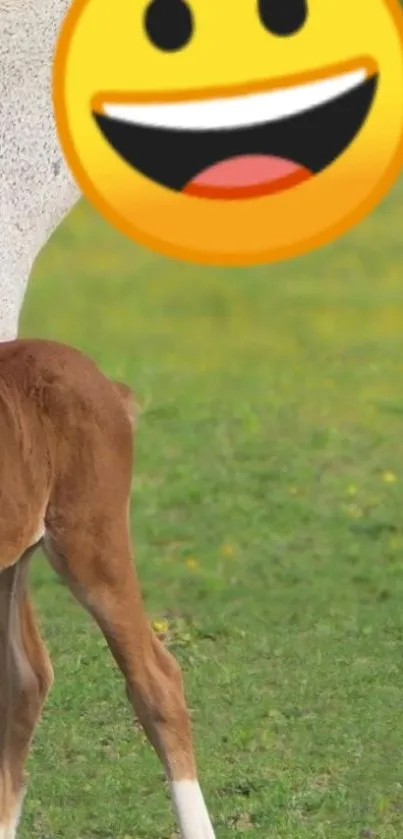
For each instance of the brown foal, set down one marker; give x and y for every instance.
(65, 476)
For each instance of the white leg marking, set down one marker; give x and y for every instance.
(193, 818)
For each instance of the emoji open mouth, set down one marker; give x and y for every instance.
(240, 146)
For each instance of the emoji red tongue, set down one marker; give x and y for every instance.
(252, 173)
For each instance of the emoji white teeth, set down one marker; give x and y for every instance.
(238, 111)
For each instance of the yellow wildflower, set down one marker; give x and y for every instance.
(160, 626)
(228, 550)
(192, 563)
(389, 477)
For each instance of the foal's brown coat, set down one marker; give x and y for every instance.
(65, 479)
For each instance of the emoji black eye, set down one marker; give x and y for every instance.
(169, 24)
(283, 17)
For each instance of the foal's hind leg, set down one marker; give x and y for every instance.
(25, 677)
(97, 565)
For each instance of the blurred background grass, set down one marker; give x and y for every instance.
(267, 503)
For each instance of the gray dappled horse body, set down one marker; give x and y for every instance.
(36, 188)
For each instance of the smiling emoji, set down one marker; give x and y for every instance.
(230, 132)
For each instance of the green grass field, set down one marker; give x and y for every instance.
(267, 516)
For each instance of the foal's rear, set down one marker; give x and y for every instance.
(65, 477)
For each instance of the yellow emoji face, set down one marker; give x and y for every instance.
(231, 132)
